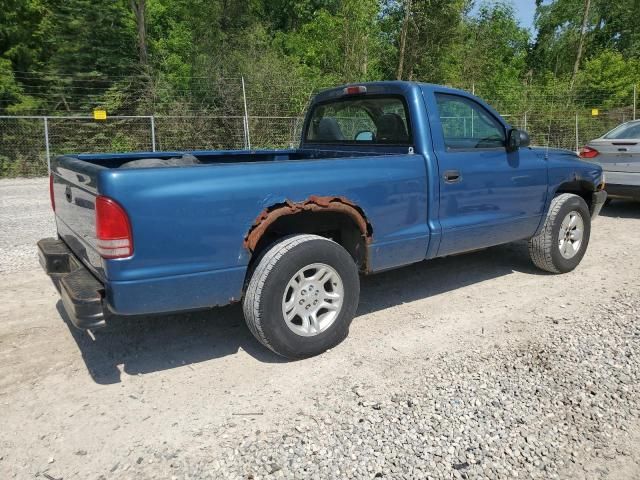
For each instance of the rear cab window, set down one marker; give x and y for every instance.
(367, 119)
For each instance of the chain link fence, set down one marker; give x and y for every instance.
(27, 143)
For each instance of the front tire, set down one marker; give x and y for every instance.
(563, 240)
(302, 296)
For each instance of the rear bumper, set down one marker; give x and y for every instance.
(89, 303)
(81, 293)
(597, 201)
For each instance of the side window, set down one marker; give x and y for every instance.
(467, 125)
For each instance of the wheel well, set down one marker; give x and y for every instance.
(331, 217)
(581, 188)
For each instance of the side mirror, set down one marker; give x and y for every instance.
(517, 138)
(364, 136)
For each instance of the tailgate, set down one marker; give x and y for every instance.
(75, 192)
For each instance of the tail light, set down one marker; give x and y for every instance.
(113, 230)
(588, 152)
(51, 196)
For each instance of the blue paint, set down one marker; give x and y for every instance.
(502, 194)
(189, 223)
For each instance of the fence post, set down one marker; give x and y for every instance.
(577, 136)
(635, 99)
(525, 121)
(46, 143)
(153, 133)
(247, 138)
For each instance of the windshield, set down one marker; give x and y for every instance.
(360, 120)
(625, 131)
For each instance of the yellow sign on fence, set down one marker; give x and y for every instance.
(99, 114)
(595, 112)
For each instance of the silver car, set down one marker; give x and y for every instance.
(618, 152)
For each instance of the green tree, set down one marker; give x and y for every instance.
(611, 25)
(13, 100)
(491, 56)
(337, 47)
(87, 44)
(21, 51)
(91, 36)
(607, 80)
(290, 15)
(427, 29)
(22, 33)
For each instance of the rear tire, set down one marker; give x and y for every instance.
(563, 240)
(289, 277)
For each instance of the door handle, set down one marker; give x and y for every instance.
(452, 176)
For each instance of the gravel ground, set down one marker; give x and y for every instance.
(565, 405)
(474, 366)
(25, 217)
(530, 411)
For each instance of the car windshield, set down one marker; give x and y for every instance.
(360, 120)
(625, 131)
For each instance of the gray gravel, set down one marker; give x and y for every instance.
(25, 217)
(534, 411)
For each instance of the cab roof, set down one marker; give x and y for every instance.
(388, 87)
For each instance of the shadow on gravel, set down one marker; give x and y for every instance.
(621, 209)
(147, 344)
(440, 275)
(153, 343)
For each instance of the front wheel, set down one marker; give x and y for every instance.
(563, 240)
(302, 296)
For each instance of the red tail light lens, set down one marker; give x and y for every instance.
(113, 230)
(588, 152)
(354, 90)
(53, 199)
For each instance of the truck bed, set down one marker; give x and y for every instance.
(190, 223)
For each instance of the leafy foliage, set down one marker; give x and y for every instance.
(75, 55)
(609, 78)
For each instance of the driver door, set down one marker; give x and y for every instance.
(488, 195)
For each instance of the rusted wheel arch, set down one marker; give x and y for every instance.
(313, 204)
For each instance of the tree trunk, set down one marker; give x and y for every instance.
(583, 34)
(403, 38)
(139, 7)
(365, 59)
(348, 52)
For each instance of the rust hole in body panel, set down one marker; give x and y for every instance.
(313, 204)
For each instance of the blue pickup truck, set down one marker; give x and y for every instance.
(387, 174)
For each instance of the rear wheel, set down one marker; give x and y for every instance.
(563, 241)
(302, 296)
